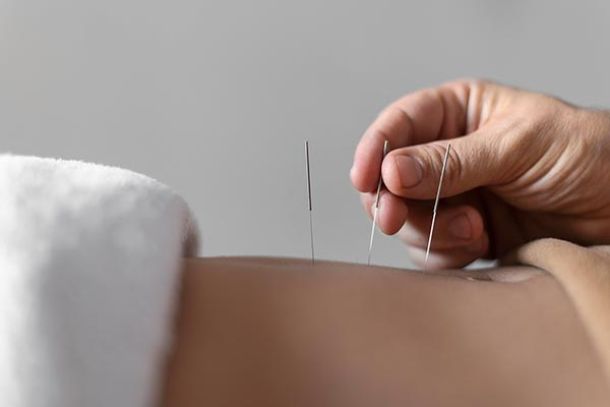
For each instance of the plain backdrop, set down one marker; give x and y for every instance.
(215, 98)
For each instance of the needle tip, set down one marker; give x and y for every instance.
(307, 171)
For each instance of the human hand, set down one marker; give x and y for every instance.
(522, 166)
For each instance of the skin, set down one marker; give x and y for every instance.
(281, 332)
(584, 274)
(523, 166)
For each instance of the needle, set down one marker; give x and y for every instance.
(309, 199)
(438, 195)
(385, 151)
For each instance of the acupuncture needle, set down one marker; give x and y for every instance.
(376, 206)
(309, 199)
(438, 195)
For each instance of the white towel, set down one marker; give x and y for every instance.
(89, 271)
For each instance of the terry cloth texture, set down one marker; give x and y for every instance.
(89, 274)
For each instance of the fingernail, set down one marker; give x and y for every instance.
(410, 171)
(460, 227)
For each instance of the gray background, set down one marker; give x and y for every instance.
(215, 98)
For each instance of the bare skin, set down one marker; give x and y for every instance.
(523, 166)
(281, 332)
(584, 274)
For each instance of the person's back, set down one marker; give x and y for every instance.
(281, 332)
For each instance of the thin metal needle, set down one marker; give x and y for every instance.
(375, 209)
(438, 195)
(309, 199)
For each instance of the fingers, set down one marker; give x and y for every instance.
(456, 228)
(391, 213)
(474, 160)
(449, 258)
(418, 128)
(420, 117)
(459, 234)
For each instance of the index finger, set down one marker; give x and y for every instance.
(419, 117)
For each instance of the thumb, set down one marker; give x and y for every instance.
(414, 171)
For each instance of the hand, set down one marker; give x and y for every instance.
(522, 166)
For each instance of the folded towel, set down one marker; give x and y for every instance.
(89, 271)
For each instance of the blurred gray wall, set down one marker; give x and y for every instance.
(215, 98)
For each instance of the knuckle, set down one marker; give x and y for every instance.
(479, 83)
(455, 167)
(434, 156)
(380, 133)
(395, 120)
(470, 82)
